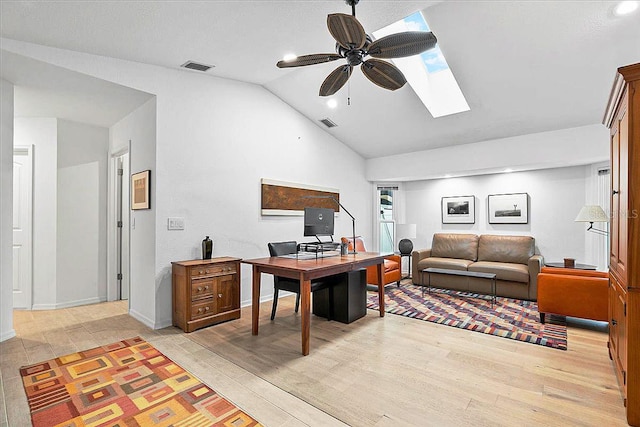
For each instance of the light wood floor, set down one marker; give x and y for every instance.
(373, 372)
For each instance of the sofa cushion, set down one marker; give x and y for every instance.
(511, 272)
(450, 263)
(390, 265)
(513, 249)
(461, 246)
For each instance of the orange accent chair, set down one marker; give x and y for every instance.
(575, 293)
(392, 265)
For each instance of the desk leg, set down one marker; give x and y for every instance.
(305, 302)
(380, 288)
(255, 300)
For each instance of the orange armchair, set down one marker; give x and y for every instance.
(575, 293)
(392, 265)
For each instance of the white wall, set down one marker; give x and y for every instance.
(566, 147)
(556, 197)
(81, 214)
(42, 133)
(216, 139)
(6, 210)
(139, 127)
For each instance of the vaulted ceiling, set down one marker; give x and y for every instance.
(524, 67)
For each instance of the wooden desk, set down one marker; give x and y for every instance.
(305, 271)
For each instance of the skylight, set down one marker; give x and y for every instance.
(428, 74)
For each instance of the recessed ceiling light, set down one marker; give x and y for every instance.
(289, 57)
(507, 170)
(332, 103)
(447, 176)
(625, 7)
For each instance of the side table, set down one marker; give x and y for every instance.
(575, 267)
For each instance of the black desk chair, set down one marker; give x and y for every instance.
(286, 284)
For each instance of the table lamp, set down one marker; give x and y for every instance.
(591, 214)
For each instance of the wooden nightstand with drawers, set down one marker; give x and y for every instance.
(205, 292)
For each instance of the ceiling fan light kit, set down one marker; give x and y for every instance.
(354, 45)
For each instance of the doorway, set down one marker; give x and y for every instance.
(22, 226)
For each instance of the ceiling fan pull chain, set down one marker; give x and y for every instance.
(349, 89)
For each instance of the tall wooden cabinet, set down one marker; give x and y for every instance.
(205, 292)
(622, 117)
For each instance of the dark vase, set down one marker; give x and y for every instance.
(207, 248)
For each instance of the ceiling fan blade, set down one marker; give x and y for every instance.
(404, 44)
(335, 80)
(384, 74)
(316, 58)
(347, 31)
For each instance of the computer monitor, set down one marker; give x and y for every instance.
(318, 222)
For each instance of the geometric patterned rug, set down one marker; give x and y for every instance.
(509, 318)
(127, 383)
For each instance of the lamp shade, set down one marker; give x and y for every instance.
(406, 231)
(592, 213)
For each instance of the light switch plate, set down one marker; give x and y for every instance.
(175, 223)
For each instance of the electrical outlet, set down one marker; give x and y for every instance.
(175, 224)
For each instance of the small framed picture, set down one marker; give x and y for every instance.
(459, 210)
(509, 208)
(140, 184)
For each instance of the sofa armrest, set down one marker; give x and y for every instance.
(536, 263)
(416, 256)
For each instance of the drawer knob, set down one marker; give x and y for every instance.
(201, 272)
(200, 310)
(199, 288)
(206, 287)
(207, 271)
(219, 295)
(206, 308)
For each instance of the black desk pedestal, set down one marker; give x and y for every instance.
(348, 298)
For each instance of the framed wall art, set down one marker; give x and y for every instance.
(509, 208)
(140, 185)
(287, 198)
(459, 210)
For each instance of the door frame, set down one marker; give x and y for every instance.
(28, 150)
(113, 290)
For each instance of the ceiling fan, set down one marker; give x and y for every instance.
(353, 44)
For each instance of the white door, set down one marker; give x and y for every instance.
(22, 220)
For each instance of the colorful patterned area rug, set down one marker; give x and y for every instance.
(509, 318)
(127, 383)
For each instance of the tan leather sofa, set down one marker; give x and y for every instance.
(511, 258)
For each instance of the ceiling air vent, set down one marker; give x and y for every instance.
(196, 66)
(328, 123)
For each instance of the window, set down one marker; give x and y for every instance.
(428, 73)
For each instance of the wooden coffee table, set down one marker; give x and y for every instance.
(465, 273)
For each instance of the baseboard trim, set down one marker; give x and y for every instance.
(263, 298)
(163, 324)
(141, 318)
(69, 304)
(7, 335)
